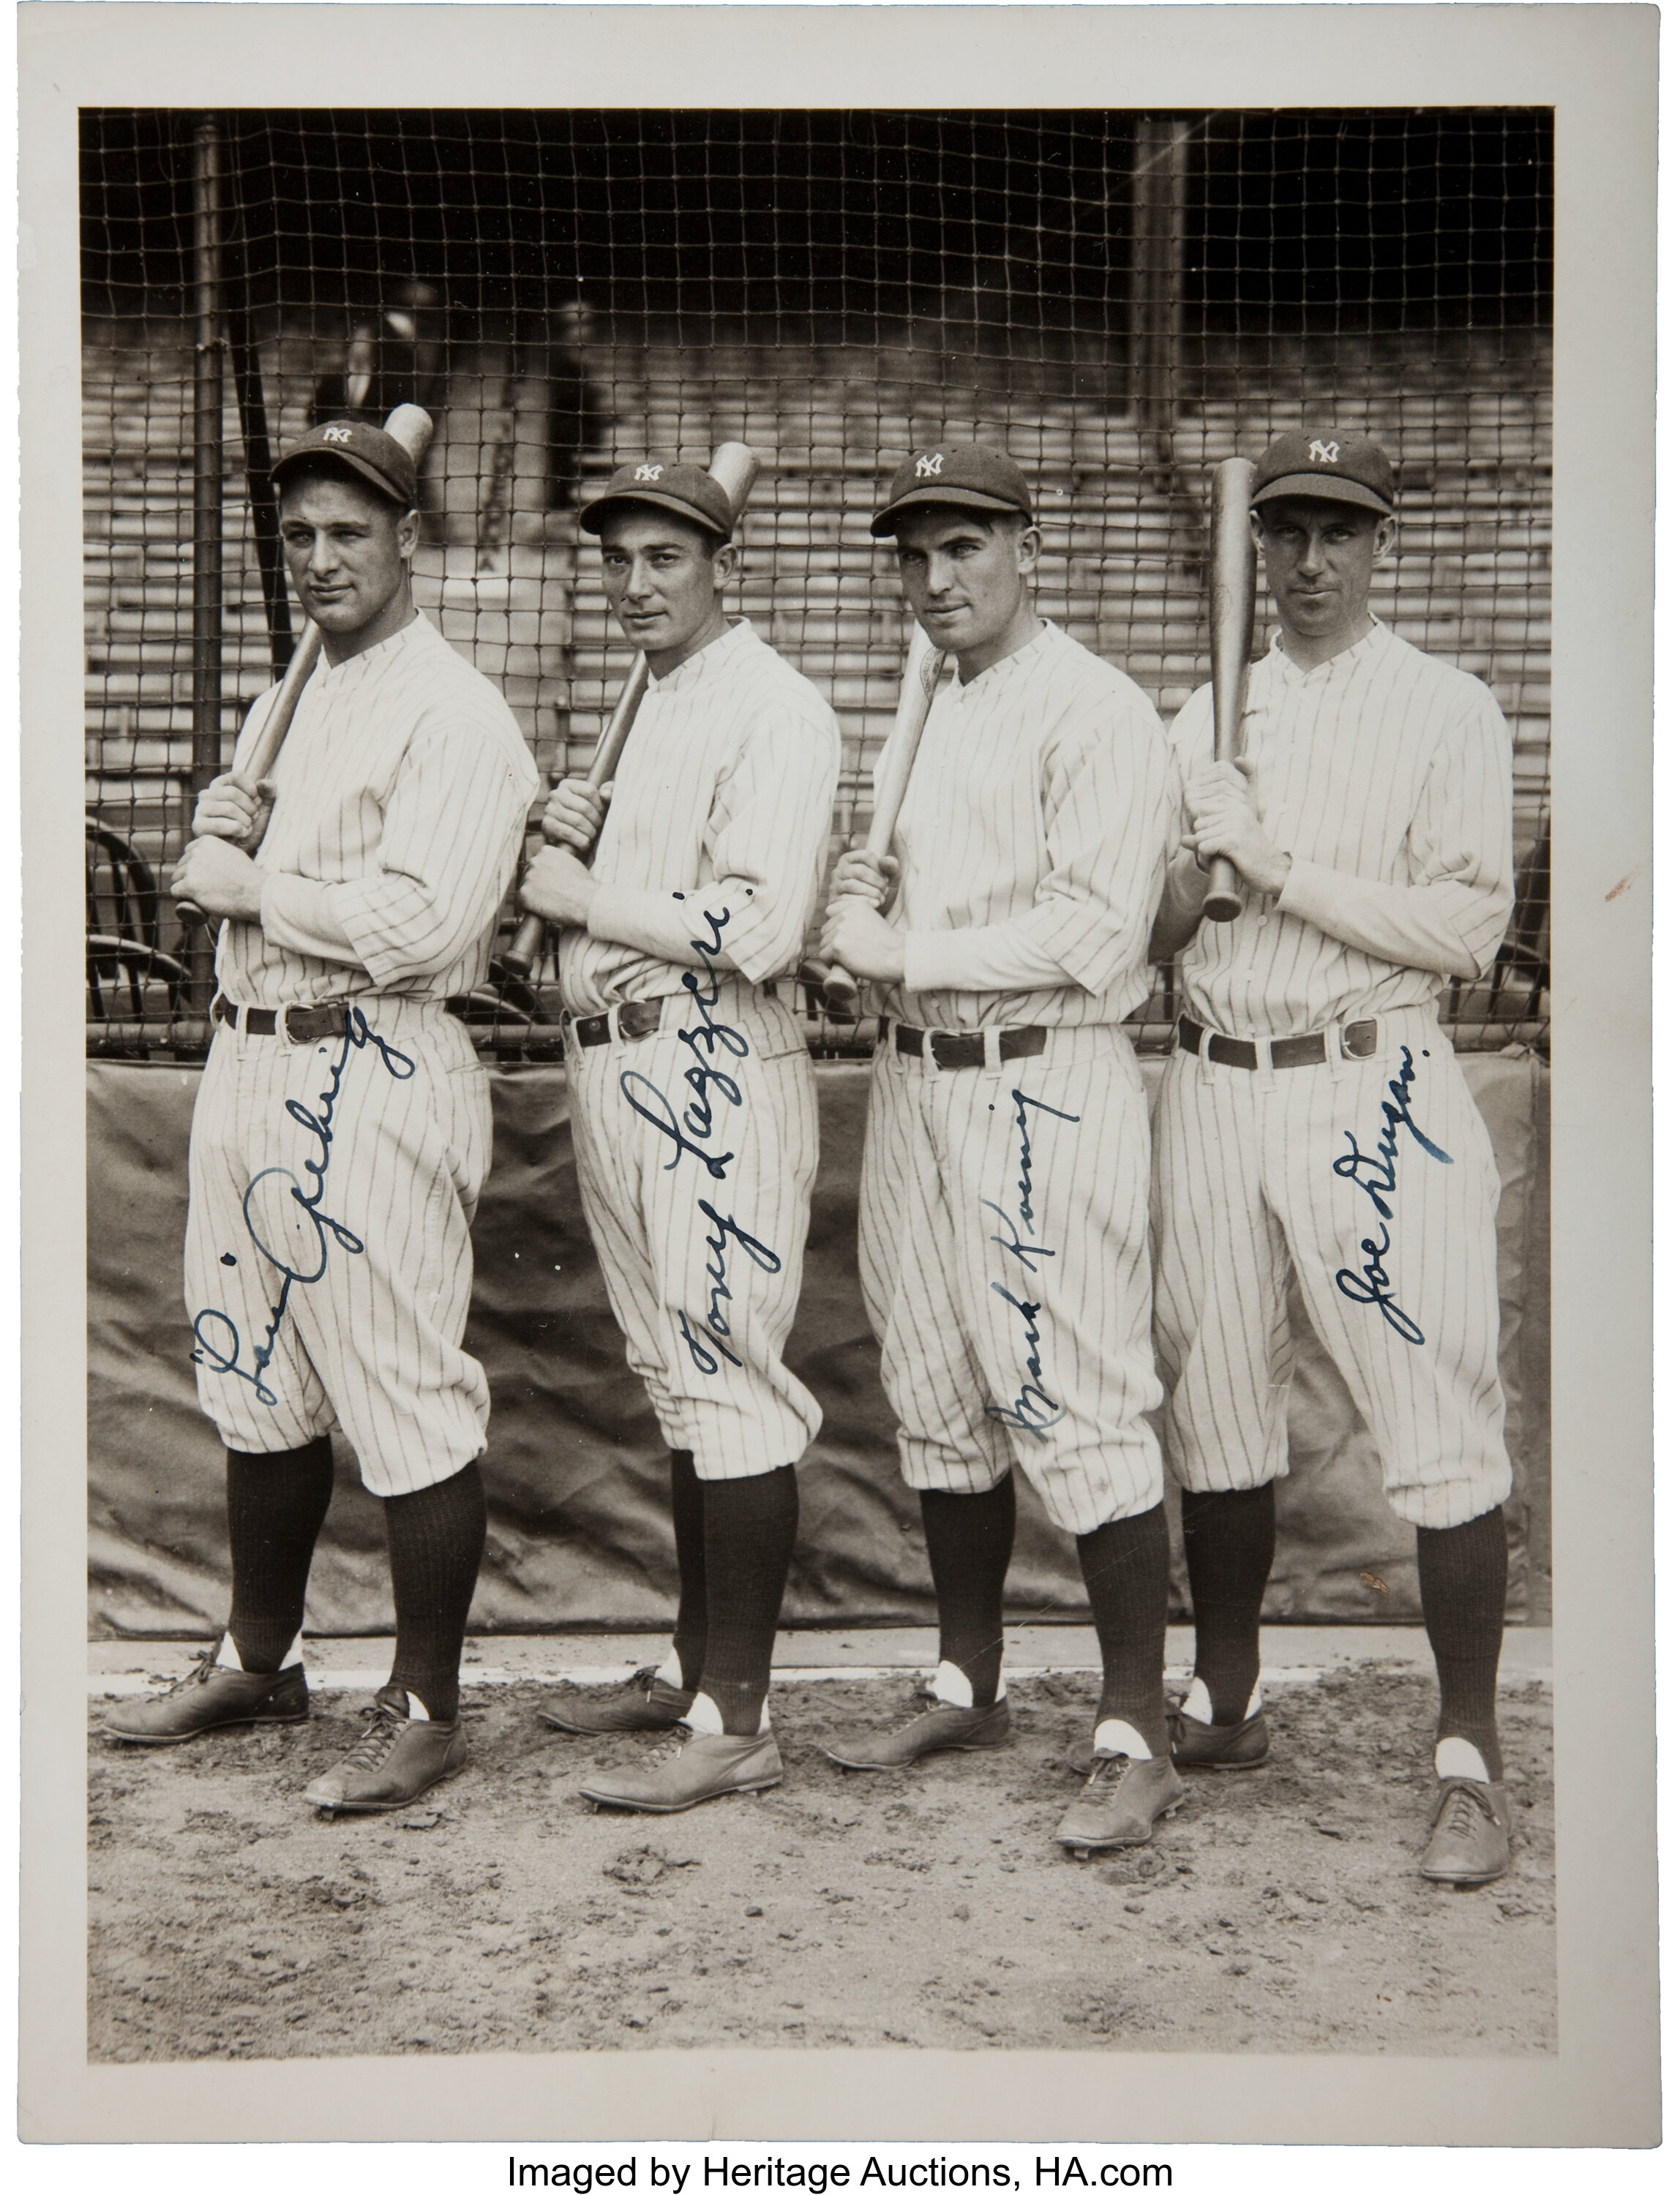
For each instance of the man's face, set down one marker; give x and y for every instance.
(965, 578)
(1319, 560)
(663, 579)
(346, 548)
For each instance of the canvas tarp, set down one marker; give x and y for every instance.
(580, 1535)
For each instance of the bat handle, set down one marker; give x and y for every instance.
(526, 950)
(1224, 901)
(839, 993)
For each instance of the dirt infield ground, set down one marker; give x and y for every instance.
(1276, 1911)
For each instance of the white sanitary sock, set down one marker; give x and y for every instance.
(228, 1654)
(705, 1719)
(952, 1688)
(1457, 1756)
(1116, 1736)
(670, 1670)
(1199, 1706)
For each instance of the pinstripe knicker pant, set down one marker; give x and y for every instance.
(329, 1268)
(1305, 1167)
(1003, 1243)
(702, 1268)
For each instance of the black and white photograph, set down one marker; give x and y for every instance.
(817, 1031)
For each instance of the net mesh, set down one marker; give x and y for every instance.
(1119, 300)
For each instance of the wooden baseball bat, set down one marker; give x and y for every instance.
(923, 665)
(1231, 585)
(735, 467)
(411, 427)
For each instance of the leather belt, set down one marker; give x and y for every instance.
(1358, 1041)
(303, 1024)
(966, 1047)
(632, 1021)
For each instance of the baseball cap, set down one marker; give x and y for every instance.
(1333, 468)
(377, 457)
(689, 490)
(960, 474)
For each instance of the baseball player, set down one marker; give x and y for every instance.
(342, 1131)
(1314, 1117)
(694, 1106)
(1003, 1233)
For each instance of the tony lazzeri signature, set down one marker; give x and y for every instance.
(1377, 1174)
(220, 1347)
(691, 1132)
(1034, 1410)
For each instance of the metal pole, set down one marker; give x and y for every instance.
(1158, 257)
(264, 503)
(206, 492)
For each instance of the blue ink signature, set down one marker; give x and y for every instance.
(220, 1351)
(1371, 1284)
(1034, 1410)
(693, 1127)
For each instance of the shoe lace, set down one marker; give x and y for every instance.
(200, 1674)
(383, 1729)
(1107, 1768)
(1459, 1814)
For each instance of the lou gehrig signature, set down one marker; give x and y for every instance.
(1371, 1284)
(693, 1128)
(219, 1347)
(1034, 1408)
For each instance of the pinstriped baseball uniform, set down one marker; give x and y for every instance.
(332, 1184)
(1003, 1235)
(1386, 774)
(696, 1144)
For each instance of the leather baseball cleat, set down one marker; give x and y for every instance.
(1470, 1832)
(697, 1768)
(210, 1698)
(1122, 1802)
(939, 1728)
(392, 1763)
(643, 1702)
(1218, 1745)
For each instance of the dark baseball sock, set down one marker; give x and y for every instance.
(687, 1519)
(970, 1538)
(436, 1540)
(750, 1525)
(276, 1505)
(1125, 1564)
(1461, 1578)
(1228, 1543)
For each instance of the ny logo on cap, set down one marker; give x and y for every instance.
(649, 472)
(335, 434)
(1324, 453)
(929, 468)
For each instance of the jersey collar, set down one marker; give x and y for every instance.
(722, 650)
(1349, 660)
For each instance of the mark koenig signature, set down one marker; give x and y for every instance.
(219, 1347)
(1034, 1408)
(1376, 1175)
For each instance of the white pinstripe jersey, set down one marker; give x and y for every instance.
(725, 787)
(1386, 774)
(401, 795)
(1033, 845)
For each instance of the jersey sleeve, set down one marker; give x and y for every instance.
(453, 826)
(1106, 818)
(1449, 918)
(765, 843)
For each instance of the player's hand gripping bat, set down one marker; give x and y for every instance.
(735, 467)
(923, 665)
(411, 427)
(1231, 585)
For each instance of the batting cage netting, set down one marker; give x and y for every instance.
(1119, 300)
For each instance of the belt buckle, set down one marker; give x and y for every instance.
(1358, 1039)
